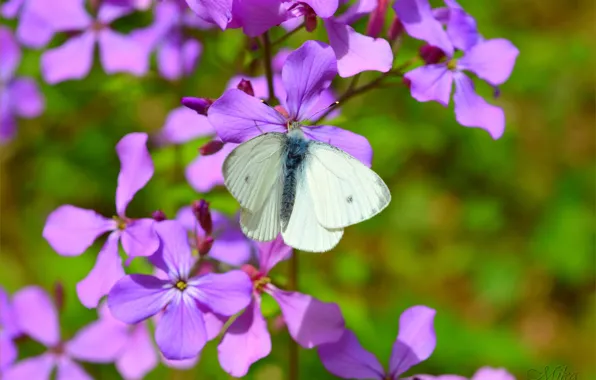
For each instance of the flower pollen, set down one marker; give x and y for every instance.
(181, 285)
(120, 223)
(452, 64)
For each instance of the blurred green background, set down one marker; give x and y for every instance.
(498, 236)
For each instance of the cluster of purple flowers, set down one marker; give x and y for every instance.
(208, 278)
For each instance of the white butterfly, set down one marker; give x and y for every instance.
(305, 189)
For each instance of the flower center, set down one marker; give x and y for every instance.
(97, 26)
(181, 285)
(261, 283)
(294, 125)
(120, 222)
(452, 64)
(57, 349)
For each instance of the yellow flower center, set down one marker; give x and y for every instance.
(260, 284)
(181, 285)
(452, 64)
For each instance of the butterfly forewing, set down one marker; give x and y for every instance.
(344, 190)
(253, 168)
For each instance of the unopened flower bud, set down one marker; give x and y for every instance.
(282, 111)
(407, 82)
(395, 30)
(246, 87)
(202, 213)
(59, 295)
(204, 245)
(251, 271)
(211, 147)
(431, 54)
(310, 21)
(199, 105)
(158, 216)
(376, 20)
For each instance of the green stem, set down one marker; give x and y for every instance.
(288, 35)
(293, 348)
(268, 70)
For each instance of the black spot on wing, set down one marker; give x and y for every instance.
(246, 179)
(349, 199)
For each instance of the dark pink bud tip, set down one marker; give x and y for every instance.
(204, 245)
(59, 295)
(395, 30)
(246, 86)
(199, 105)
(158, 216)
(310, 21)
(282, 111)
(202, 213)
(376, 20)
(431, 54)
(211, 147)
(251, 271)
(407, 82)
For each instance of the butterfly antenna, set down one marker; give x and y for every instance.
(260, 130)
(325, 111)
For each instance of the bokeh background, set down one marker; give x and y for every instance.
(498, 236)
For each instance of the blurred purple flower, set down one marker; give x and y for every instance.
(415, 343)
(38, 319)
(491, 60)
(19, 96)
(71, 230)
(310, 322)
(230, 246)
(307, 72)
(484, 373)
(177, 55)
(9, 330)
(117, 52)
(181, 332)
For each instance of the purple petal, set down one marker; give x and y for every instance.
(271, 253)
(71, 230)
(183, 124)
(11, 8)
(259, 85)
(69, 370)
(33, 30)
(258, 16)
(419, 22)
(139, 238)
(471, 110)
(230, 245)
(9, 352)
(28, 102)
(431, 82)
(175, 252)
(350, 142)
(461, 29)
(488, 373)
(120, 53)
(357, 10)
(214, 323)
(136, 168)
(347, 359)
(139, 356)
(306, 73)
(323, 8)
(246, 341)
(110, 12)
(106, 271)
(138, 296)
(205, 172)
(36, 315)
(8, 319)
(60, 15)
(326, 100)
(356, 52)
(416, 339)
(10, 53)
(180, 364)
(177, 58)
(491, 60)
(225, 293)
(310, 321)
(8, 125)
(98, 342)
(71, 60)
(238, 117)
(180, 333)
(219, 11)
(38, 367)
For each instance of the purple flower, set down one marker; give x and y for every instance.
(71, 230)
(19, 96)
(230, 246)
(9, 330)
(38, 319)
(117, 52)
(307, 72)
(484, 373)
(491, 60)
(415, 343)
(177, 55)
(310, 322)
(181, 331)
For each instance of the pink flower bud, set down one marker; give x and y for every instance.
(204, 245)
(431, 54)
(202, 213)
(310, 21)
(407, 82)
(246, 86)
(395, 30)
(376, 20)
(211, 147)
(251, 271)
(59, 295)
(199, 105)
(282, 111)
(158, 216)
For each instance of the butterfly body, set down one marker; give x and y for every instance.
(294, 156)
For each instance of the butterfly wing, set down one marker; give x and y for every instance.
(253, 168)
(344, 190)
(303, 231)
(264, 224)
